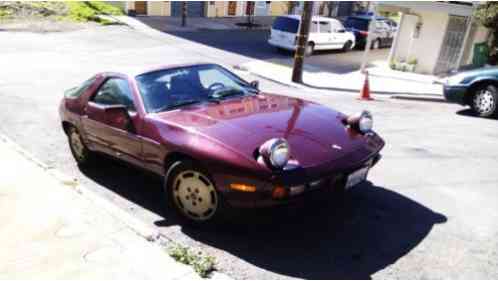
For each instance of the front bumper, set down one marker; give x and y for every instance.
(455, 94)
(311, 185)
(279, 44)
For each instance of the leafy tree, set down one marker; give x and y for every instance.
(487, 15)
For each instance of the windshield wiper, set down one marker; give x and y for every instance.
(178, 104)
(226, 92)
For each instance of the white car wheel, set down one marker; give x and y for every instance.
(195, 195)
(484, 101)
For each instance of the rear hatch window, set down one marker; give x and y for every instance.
(286, 24)
(356, 23)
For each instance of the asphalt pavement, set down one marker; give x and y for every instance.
(253, 45)
(428, 211)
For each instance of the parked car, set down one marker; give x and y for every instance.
(325, 34)
(383, 33)
(218, 142)
(476, 88)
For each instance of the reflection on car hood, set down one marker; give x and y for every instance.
(315, 133)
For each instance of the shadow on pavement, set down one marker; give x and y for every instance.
(370, 230)
(469, 113)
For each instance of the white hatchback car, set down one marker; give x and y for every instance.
(325, 34)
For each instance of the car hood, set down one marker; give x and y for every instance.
(483, 71)
(315, 133)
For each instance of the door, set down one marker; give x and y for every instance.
(338, 33)
(452, 44)
(232, 8)
(194, 8)
(101, 130)
(141, 7)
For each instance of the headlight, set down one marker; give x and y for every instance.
(276, 152)
(362, 122)
(455, 79)
(365, 123)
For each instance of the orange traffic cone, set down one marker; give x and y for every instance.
(365, 91)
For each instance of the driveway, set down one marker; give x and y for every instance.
(428, 211)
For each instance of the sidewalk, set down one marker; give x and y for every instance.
(171, 24)
(382, 80)
(50, 231)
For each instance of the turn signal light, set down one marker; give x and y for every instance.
(243, 187)
(279, 192)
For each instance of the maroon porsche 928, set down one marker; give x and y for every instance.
(218, 141)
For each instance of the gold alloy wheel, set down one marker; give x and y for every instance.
(484, 102)
(195, 195)
(77, 145)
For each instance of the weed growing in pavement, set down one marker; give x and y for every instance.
(202, 264)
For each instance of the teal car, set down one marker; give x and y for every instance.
(476, 88)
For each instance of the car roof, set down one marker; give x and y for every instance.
(133, 72)
(314, 18)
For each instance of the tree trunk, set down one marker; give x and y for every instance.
(302, 41)
(184, 13)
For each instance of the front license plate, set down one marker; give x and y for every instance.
(357, 177)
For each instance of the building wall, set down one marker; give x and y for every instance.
(278, 8)
(156, 8)
(426, 47)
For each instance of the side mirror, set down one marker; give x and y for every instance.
(117, 116)
(254, 84)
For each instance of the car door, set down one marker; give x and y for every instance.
(339, 33)
(102, 131)
(327, 38)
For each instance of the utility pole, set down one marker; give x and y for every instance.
(371, 29)
(184, 13)
(302, 41)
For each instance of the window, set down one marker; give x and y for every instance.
(115, 91)
(78, 91)
(325, 27)
(286, 24)
(357, 23)
(314, 27)
(170, 88)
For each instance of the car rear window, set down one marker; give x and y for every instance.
(286, 24)
(356, 23)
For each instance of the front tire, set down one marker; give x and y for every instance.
(83, 156)
(192, 193)
(347, 46)
(484, 101)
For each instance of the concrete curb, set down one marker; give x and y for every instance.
(142, 229)
(139, 227)
(419, 98)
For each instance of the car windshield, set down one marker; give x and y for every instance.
(286, 24)
(173, 88)
(356, 23)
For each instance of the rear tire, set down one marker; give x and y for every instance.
(192, 193)
(484, 101)
(83, 156)
(375, 44)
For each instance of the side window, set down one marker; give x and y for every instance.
(314, 27)
(325, 27)
(115, 91)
